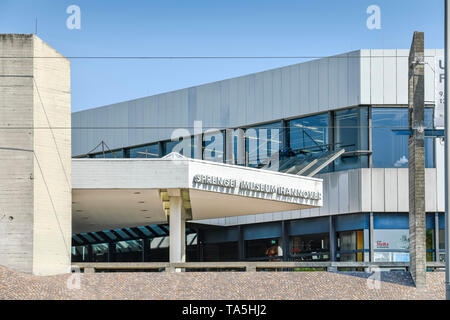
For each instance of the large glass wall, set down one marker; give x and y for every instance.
(214, 146)
(309, 134)
(391, 237)
(225, 251)
(148, 151)
(262, 142)
(350, 245)
(310, 247)
(263, 249)
(184, 146)
(389, 149)
(351, 132)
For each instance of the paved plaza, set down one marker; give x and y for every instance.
(218, 285)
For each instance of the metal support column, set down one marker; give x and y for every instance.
(436, 236)
(241, 246)
(285, 239)
(111, 252)
(333, 241)
(371, 238)
(90, 253)
(145, 250)
(447, 150)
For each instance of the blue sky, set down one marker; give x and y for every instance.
(208, 28)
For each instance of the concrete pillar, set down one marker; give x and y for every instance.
(177, 224)
(35, 170)
(416, 150)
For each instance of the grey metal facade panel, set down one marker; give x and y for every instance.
(378, 190)
(384, 76)
(359, 77)
(291, 91)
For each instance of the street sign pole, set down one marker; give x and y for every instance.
(447, 155)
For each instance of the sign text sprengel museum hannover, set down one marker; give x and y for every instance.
(257, 187)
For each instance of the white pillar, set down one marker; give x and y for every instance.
(177, 227)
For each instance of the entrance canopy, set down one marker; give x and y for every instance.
(119, 193)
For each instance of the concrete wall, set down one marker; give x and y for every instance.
(16, 153)
(35, 191)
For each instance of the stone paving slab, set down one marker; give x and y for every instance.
(220, 285)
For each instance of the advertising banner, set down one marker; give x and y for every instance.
(439, 77)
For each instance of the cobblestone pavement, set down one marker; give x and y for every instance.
(220, 285)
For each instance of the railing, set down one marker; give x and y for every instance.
(89, 267)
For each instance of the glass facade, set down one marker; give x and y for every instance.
(214, 146)
(310, 247)
(350, 245)
(351, 132)
(148, 151)
(262, 142)
(307, 138)
(389, 149)
(309, 134)
(263, 249)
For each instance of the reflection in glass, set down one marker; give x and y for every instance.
(213, 146)
(389, 149)
(312, 247)
(149, 151)
(307, 134)
(262, 142)
(352, 134)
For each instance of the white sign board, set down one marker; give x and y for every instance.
(439, 76)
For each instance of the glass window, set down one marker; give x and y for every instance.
(264, 249)
(184, 146)
(350, 245)
(127, 251)
(108, 154)
(262, 142)
(214, 146)
(391, 245)
(100, 252)
(79, 253)
(311, 247)
(149, 151)
(309, 132)
(430, 244)
(389, 149)
(225, 251)
(351, 133)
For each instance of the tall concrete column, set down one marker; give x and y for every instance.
(177, 224)
(35, 156)
(416, 104)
